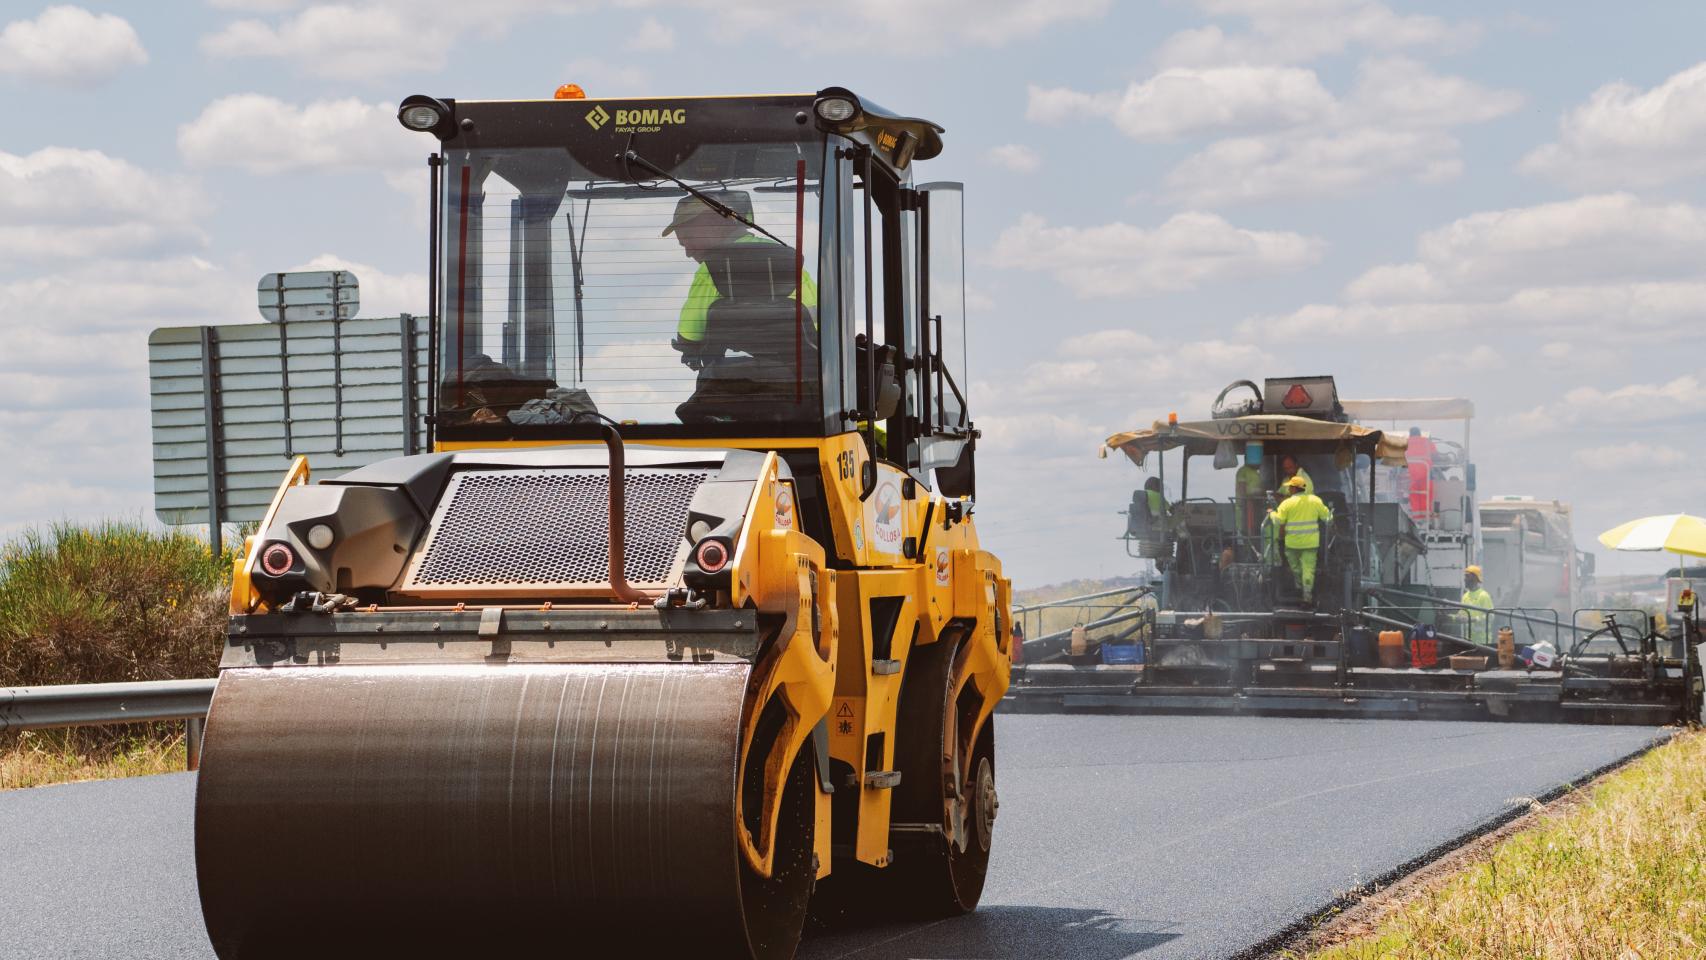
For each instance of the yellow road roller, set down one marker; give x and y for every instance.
(681, 636)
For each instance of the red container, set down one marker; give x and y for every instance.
(1424, 652)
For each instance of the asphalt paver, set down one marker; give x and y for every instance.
(1143, 837)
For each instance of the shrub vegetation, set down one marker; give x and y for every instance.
(104, 603)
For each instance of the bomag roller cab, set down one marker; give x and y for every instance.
(683, 630)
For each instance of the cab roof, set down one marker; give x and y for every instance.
(895, 140)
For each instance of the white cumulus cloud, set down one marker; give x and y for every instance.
(1182, 101)
(60, 202)
(1580, 267)
(263, 134)
(1284, 134)
(1015, 157)
(1680, 399)
(1626, 136)
(1299, 31)
(1620, 458)
(382, 294)
(70, 46)
(1118, 259)
(1395, 123)
(651, 36)
(366, 39)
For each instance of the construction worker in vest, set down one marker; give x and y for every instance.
(1248, 492)
(1289, 469)
(701, 231)
(1475, 595)
(1155, 502)
(1298, 524)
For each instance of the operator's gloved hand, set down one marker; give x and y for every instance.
(692, 352)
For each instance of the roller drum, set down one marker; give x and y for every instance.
(518, 810)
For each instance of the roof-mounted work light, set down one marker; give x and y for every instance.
(425, 114)
(836, 109)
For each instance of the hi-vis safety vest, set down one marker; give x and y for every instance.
(703, 293)
(1478, 597)
(1299, 519)
(1247, 482)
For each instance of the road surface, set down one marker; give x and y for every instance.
(1144, 837)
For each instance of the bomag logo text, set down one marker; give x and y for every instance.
(646, 119)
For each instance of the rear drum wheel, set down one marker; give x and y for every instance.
(936, 876)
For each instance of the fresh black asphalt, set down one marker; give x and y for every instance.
(1147, 837)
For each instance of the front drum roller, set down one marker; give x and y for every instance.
(537, 810)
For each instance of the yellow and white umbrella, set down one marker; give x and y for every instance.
(1678, 533)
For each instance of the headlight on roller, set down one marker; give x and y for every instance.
(277, 559)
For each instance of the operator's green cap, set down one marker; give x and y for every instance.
(689, 208)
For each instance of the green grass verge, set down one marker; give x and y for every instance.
(1620, 876)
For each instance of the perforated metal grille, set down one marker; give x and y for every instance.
(519, 528)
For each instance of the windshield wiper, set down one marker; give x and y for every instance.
(722, 209)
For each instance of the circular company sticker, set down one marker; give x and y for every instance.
(785, 508)
(885, 520)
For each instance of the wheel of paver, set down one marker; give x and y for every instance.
(940, 874)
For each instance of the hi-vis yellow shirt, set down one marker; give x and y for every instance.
(1300, 517)
(703, 293)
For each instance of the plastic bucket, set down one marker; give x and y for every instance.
(1507, 648)
(1391, 646)
(1363, 650)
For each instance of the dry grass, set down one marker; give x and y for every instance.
(41, 757)
(1621, 876)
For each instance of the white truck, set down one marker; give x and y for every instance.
(1529, 555)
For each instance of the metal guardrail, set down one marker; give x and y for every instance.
(97, 704)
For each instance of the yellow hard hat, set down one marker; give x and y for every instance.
(1297, 483)
(1472, 568)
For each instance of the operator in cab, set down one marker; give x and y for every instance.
(1297, 524)
(1248, 493)
(748, 326)
(1476, 595)
(1290, 469)
(707, 236)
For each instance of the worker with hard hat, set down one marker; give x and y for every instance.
(702, 230)
(1298, 523)
(1476, 595)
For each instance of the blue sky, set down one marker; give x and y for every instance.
(1502, 201)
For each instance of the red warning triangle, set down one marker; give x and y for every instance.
(1296, 397)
